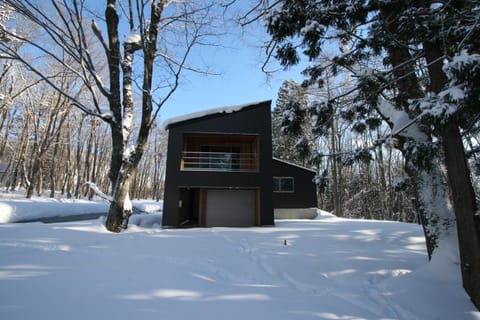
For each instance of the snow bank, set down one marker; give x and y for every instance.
(26, 210)
(23, 210)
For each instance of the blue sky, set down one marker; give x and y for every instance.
(237, 59)
(241, 79)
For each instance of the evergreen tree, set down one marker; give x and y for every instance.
(290, 123)
(426, 91)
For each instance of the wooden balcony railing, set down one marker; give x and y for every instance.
(219, 161)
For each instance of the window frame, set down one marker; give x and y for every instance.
(282, 189)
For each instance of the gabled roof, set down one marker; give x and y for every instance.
(208, 112)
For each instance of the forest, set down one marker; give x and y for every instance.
(51, 150)
(376, 187)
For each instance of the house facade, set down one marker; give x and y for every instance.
(294, 191)
(219, 168)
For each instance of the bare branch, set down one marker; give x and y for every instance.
(98, 34)
(258, 11)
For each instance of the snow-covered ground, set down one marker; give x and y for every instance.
(330, 268)
(15, 208)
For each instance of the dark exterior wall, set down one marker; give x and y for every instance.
(253, 120)
(305, 195)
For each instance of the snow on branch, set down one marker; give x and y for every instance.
(133, 38)
(402, 123)
(97, 191)
(461, 71)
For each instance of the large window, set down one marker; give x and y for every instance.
(220, 157)
(283, 184)
(220, 152)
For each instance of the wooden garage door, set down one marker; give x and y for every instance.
(230, 208)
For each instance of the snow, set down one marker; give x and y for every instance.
(108, 115)
(14, 208)
(330, 268)
(455, 93)
(25, 210)
(403, 124)
(128, 205)
(447, 102)
(311, 26)
(460, 61)
(93, 186)
(203, 113)
(129, 150)
(133, 38)
(289, 114)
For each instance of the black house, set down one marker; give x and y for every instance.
(219, 169)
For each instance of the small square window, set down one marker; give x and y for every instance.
(283, 184)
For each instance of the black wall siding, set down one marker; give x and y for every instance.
(305, 194)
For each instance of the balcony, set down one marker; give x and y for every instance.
(223, 153)
(219, 161)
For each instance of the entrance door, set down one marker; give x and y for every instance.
(230, 208)
(188, 207)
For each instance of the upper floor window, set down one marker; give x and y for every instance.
(220, 157)
(220, 152)
(283, 184)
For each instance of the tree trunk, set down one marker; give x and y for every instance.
(431, 200)
(34, 177)
(93, 174)
(431, 214)
(88, 157)
(40, 179)
(66, 188)
(20, 158)
(120, 208)
(336, 192)
(465, 207)
(53, 168)
(115, 214)
(463, 195)
(114, 99)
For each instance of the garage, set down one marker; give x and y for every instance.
(230, 208)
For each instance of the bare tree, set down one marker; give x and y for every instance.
(161, 34)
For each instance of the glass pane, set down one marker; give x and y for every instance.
(276, 184)
(205, 157)
(286, 185)
(220, 157)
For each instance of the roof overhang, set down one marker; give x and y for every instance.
(208, 112)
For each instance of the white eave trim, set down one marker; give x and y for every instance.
(294, 165)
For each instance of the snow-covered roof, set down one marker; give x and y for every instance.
(204, 113)
(294, 165)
